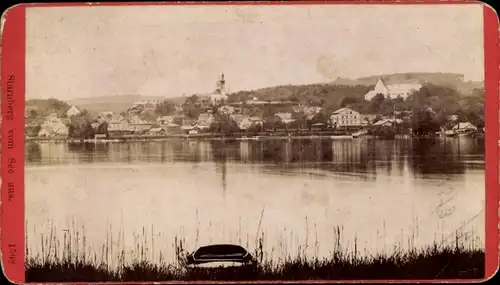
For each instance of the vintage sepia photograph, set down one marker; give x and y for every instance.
(254, 142)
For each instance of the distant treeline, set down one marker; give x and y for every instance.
(440, 101)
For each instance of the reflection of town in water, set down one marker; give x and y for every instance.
(380, 192)
(361, 156)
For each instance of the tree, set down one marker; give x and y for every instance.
(84, 131)
(165, 108)
(376, 103)
(347, 100)
(272, 122)
(321, 117)
(32, 131)
(224, 124)
(423, 122)
(32, 114)
(102, 128)
(192, 107)
(148, 115)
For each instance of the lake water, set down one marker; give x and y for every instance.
(381, 193)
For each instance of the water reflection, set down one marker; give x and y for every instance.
(383, 192)
(364, 157)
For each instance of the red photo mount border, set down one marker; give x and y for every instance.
(12, 148)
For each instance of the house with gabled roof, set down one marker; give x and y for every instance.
(346, 117)
(73, 111)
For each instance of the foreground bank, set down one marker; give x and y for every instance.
(457, 258)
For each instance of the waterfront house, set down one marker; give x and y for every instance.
(243, 121)
(53, 126)
(255, 120)
(172, 128)
(119, 127)
(157, 132)
(346, 117)
(284, 117)
(165, 120)
(137, 125)
(194, 131)
(186, 128)
(388, 122)
(118, 124)
(73, 111)
(393, 91)
(464, 127)
(140, 127)
(205, 120)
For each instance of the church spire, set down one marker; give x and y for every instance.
(221, 84)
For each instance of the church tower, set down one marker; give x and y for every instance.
(221, 85)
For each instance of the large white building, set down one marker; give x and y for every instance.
(393, 91)
(346, 117)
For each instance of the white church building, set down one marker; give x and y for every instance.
(219, 96)
(393, 91)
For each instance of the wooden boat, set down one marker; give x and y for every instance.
(218, 255)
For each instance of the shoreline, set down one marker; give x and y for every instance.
(213, 137)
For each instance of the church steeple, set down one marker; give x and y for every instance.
(221, 83)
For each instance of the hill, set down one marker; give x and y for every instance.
(451, 80)
(44, 107)
(116, 103)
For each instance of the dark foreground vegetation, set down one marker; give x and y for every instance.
(452, 260)
(432, 263)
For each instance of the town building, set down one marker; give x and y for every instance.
(157, 132)
(73, 111)
(107, 116)
(393, 91)
(226, 110)
(346, 117)
(118, 125)
(464, 127)
(388, 122)
(53, 126)
(146, 104)
(165, 120)
(285, 117)
(205, 120)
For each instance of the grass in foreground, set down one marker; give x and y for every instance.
(455, 261)
(434, 263)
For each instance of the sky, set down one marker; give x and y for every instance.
(83, 52)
